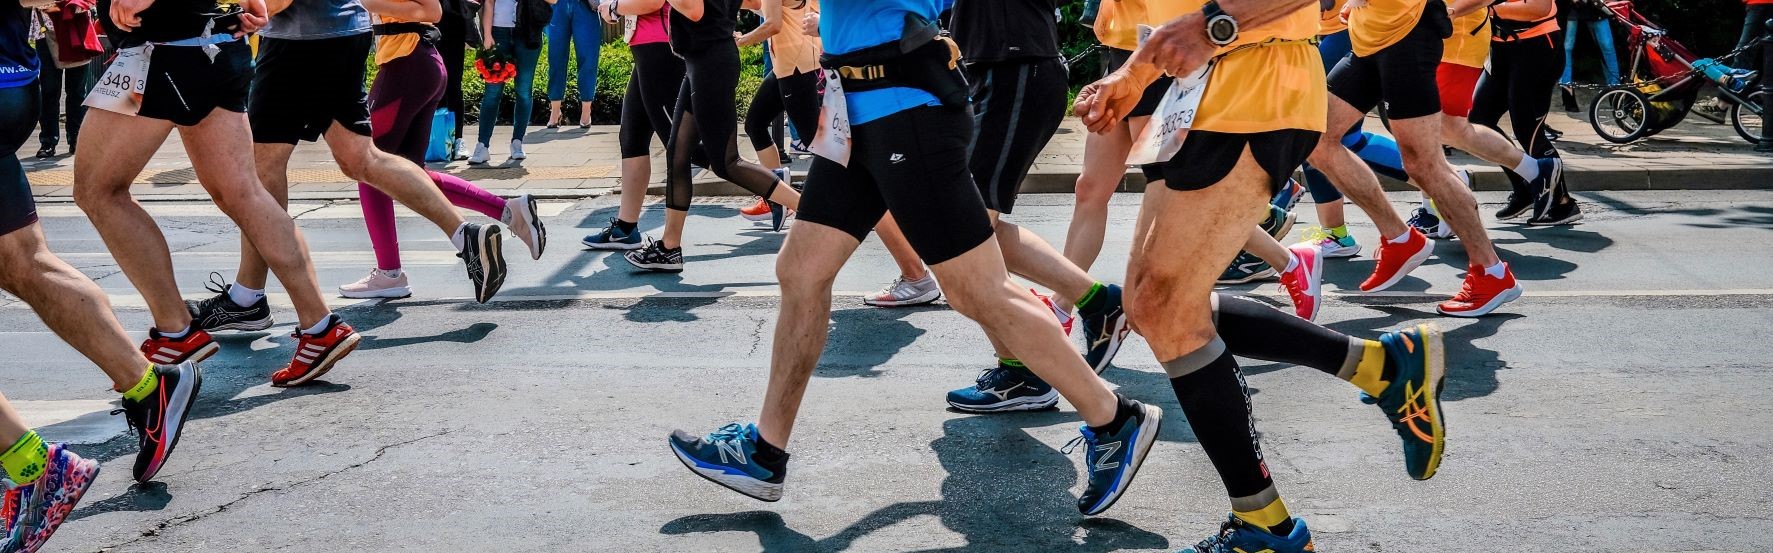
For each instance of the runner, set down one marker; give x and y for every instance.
(178, 66)
(1397, 45)
(1525, 60)
(1256, 121)
(906, 97)
(1330, 235)
(706, 131)
(646, 112)
(790, 86)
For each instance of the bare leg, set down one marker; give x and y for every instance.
(806, 267)
(1419, 141)
(769, 158)
(69, 304)
(272, 161)
(1351, 176)
(1104, 166)
(1483, 142)
(102, 191)
(395, 176)
(636, 171)
(1330, 214)
(12, 426)
(1031, 257)
(910, 266)
(1263, 245)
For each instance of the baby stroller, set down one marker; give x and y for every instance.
(1662, 82)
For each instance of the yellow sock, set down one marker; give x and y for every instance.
(25, 460)
(150, 381)
(1268, 517)
(1369, 375)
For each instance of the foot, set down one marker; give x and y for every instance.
(1412, 400)
(729, 457)
(219, 312)
(517, 150)
(1519, 202)
(613, 237)
(756, 212)
(194, 347)
(462, 152)
(34, 511)
(654, 256)
(1278, 223)
(1329, 245)
(159, 419)
(1001, 389)
(554, 119)
(1397, 260)
(484, 256)
(1430, 225)
(480, 155)
(378, 284)
(1236, 536)
(316, 354)
(46, 152)
(903, 293)
(1304, 284)
(526, 224)
(1481, 293)
(1551, 173)
(1568, 94)
(1104, 330)
(1566, 213)
(1289, 195)
(1112, 460)
(1245, 268)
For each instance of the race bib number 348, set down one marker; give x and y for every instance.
(120, 89)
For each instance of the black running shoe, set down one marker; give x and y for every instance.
(159, 419)
(1558, 214)
(654, 256)
(484, 254)
(219, 312)
(1105, 330)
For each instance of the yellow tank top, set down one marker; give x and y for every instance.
(1270, 79)
(393, 47)
(1470, 44)
(1381, 23)
(792, 50)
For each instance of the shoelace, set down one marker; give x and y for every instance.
(729, 433)
(1218, 542)
(1317, 234)
(890, 289)
(216, 283)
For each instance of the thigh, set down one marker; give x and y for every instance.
(1017, 108)
(846, 199)
(1407, 71)
(222, 160)
(714, 80)
(918, 159)
(346, 100)
(128, 143)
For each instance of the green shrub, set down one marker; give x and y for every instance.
(614, 64)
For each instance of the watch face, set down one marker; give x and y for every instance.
(1222, 29)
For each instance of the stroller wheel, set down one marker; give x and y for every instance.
(1620, 115)
(1748, 123)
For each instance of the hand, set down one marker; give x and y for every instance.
(606, 9)
(1104, 103)
(810, 25)
(486, 41)
(126, 13)
(1178, 47)
(253, 17)
(1349, 8)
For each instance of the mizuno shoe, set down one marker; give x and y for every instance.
(1104, 330)
(1412, 401)
(728, 457)
(1000, 389)
(1111, 460)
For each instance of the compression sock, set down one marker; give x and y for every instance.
(25, 460)
(1257, 331)
(1094, 300)
(1216, 403)
(243, 296)
(459, 238)
(1528, 168)
(1124, 410)
(626, 226)
(150, 381)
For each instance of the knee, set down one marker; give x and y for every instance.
(1094, 191)
(355, 166)
(798, 279)
(95, 198)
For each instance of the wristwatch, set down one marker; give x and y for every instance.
(1221, 27)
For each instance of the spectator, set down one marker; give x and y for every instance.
(1587, 15)
(512, 28)
(576, 26)
(459, 30)
(57, 75)
(1754, 25)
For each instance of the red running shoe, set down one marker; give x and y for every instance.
(1304, 282)
(1397, 260)
(194, 347)
(1481, 293)
(1064, 319)
(759, 211)
(316, 354)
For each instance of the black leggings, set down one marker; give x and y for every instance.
(1520, 80)
(707, 128)
(652, 94)
(797, 95)
(53, 81)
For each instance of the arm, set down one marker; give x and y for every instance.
(691, 9)
(772, 24)
(486, 20)
(429, 11)
(1526, 10)
(1460, 8)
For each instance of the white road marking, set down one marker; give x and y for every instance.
(79, 421)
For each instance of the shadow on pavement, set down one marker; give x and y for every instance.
(867, 337)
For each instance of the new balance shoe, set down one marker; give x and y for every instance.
(1412, 400)
(904, 292)
(1429, 224)
(758, 211)
(1237, 536)
(317, 353)
(1481, 293)
(219, 312)
(1304, 284)
(1065, 319)
(1288, 196)
(654, 256)
(1329, 244)
(378, 284)
(1279, 222)
(1104, 330)
(1112, 460)
(526, 224)
(483, 254)
(1245, 268)
(1396, 260)
(33, 512)
(159, 419)
(728, 457)
(194, 347)
(1002, 389)
(613, 237)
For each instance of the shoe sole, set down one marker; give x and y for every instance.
(610, 246)
(202, 353)
(1506, 296)
(1033, 403)
(1435, 351)
(1120, 331)
(1340, 254)
(926, 297)
(1409, 265)
(1574, 217)
(760, 218)
(178, 423)
(1154, 419)
(492, 262)
(657, 268)
(537, 231)
(326, 363)
(1258, 275)
(746, 485)
(247, 326)
(386, 293)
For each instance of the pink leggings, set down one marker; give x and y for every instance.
(406, 92)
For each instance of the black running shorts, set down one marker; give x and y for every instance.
(914, 164)
(1017, 106)
(1207, 157)
(17, 209)
(1402, 75)
(303, 86)
(184, 85)
(1114, 58)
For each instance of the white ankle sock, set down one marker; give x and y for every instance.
(243, 296)
(1292, 262)
(1496, 271)
(179, 334)
(1528, 168)
(1401, 238)
(318, 327)
(459, 238)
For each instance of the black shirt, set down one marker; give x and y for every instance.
(719, 18)
(163, 21)
(998, 30)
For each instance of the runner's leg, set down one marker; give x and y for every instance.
(102, 191)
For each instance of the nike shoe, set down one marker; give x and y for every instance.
(316, 354)
(484, 256)
(758, 211)
(1279, 222)
(1112, 460)
(1001, 389)
(526, 224)
(613, 238)
(377, 284)
(728, 457)
(159, 419)
(1330, 245)
(1289, 195)
(219, 312)
(1412, 401)
(1237, 536)
(33, 512)
(1304, 284)
(1551, 173)
(902, 293)
(1481, 293)
(1065, 319)
(1245, 268)
(1104, 331)
(656, 257)
(1429, 224)
(194, 347)
(1397, 260)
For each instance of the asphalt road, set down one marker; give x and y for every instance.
(1618, 407)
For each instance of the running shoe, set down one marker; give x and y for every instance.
(1245, 268)
(33, 512)
(517, 150)
(654, 256)
(1330, 245)
(1397, 260)
(902, 292)
(159, 419)
(316, 354)
(756, 212)
(728, 457)
(1001, 389)
(1105, 330)
(378, 284)
(1481, 293)
(779, 216)
(1566, 213)
(1519, 203)
(1289, 195)
(194, 347)
(219, 312)
(1279, 222)
(1412, 400)
(613, 238)
(1112, 460)
(526, 224)
(1304, 284)
(484, 256)
(1551, 173)
(1426, 222)
(1065, 319)
(480, 155)
(1237, 536)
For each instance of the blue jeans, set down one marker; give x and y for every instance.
(574, 21)
(1603, 37)
(524, 83)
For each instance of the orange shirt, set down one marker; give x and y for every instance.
(1470, 44)
(393, 47)
(1117, 23)
(1330, 22)
(1377, 24)
(1270, 79)
(792, 50)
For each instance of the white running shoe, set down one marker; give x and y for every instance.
(526, 224)
(903, 292)
(479, 156)
(461, 152)
(379, 284)
(517, 150)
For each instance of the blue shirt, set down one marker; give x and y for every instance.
(849, 25)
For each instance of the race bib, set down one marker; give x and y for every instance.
(628, 26)
(1145, 33)
(833, 139)
(1163, 134)
(119, 90)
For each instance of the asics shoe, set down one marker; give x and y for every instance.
(1429, 224)
(1245, 268)
(316, 354)
(728, 457)
(758, 211)
(613, 238)
(1002, 389)
(656, 257)
(219, 312)
(1279, 222)
(1397, 260)
(1412, 400)
(1112, 460)
(194, 347)
(484, 256)
(378, 284)
(526, 224)
(159, 419)
(1330, 245)
(1481, 293)
(903, 292)
(33, 512)
(1065, 319)
(1304, 284)
(1289, 195)
(1105, 330)
(1237, 536)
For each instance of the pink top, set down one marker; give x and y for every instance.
(650, 28)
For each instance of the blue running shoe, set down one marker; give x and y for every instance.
(1237, 536)
(613, 238)
(1104, 331)
(1000, 389)
(728, 457)
(1412, 401)
(1289, 195)
(1113, 460)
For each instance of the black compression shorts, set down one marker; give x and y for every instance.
(1207, 157)
(1114, 58)
(1017, 106)
(303, 86)
(1402, 75)
(17, 209)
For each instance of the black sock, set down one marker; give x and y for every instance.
(1217, 405)
(770, 455)
(1257, 331)
(1124, 410)
(625, 226)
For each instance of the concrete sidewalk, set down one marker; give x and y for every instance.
(577, 163)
